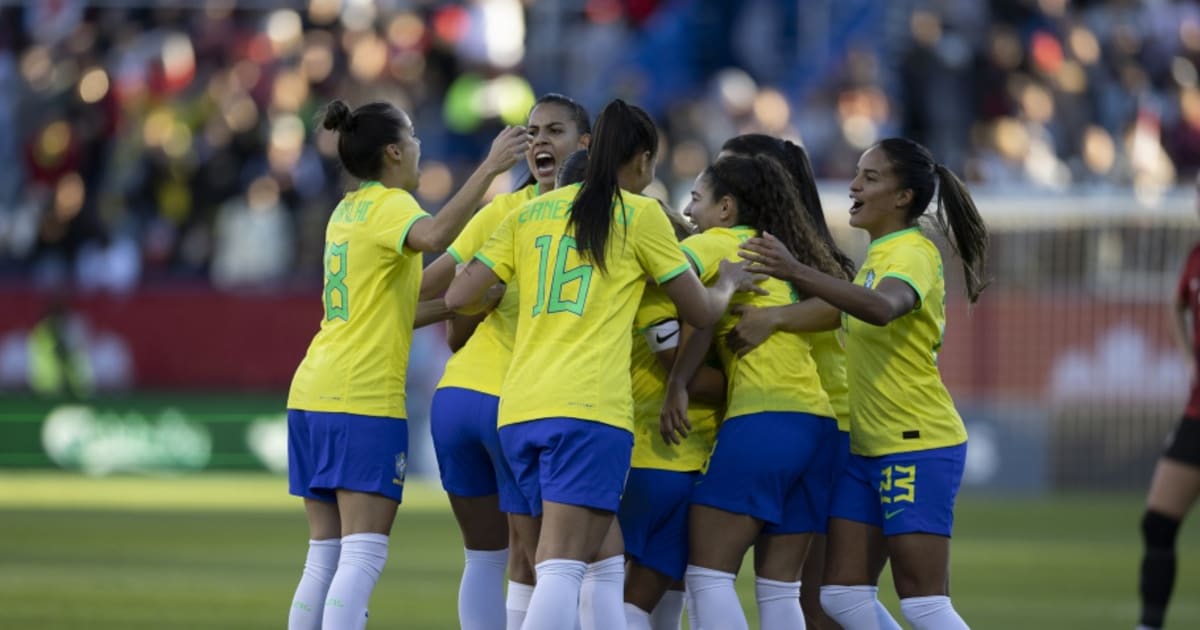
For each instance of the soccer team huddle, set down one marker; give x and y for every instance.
(638, 397)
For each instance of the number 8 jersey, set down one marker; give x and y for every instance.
(571, 353)
(358, 359)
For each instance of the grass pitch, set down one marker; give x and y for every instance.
(225, 551)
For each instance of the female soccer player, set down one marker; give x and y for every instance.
(908, 443)
(768, 479)
(1176, 482)
(653, 513)
(347, 434)
(580, 258)
(755, 325)
(463, 413)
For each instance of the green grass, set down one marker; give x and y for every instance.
(225, 551)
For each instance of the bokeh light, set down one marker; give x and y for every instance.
(737, 90)
(93, 86)
(1084, 45)
(406, 31)
(69, 194)
(1184, 72)
(262, 194)
(324, 12)
(772, 110)
(317, 60)
(437, 182)
(1099, 150)
(688, 159)
(284, 29)
(926, 27)
(368, 58)
(358, 15)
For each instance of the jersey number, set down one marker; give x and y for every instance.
(550, 289)
(898, 484)
(337, 298)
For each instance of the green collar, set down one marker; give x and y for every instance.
(888, 237)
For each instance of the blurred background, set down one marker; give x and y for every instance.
(165, 188)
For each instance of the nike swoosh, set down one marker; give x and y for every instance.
(661, 338)
(889, 515)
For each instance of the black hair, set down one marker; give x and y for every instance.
(363, 134)
(579, 115)
(622, 132)
(573, 169)
(794, 160)
(767, 201)
(956, 216)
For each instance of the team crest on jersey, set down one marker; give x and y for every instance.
(870, 281)
(401, 468)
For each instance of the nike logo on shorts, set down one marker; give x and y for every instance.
(662, 338)
(889, 515)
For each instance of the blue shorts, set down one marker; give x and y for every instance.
(467, 443)
(903, 493)
(775, 466)
(567, 460)
(331, 451)
(653, 519)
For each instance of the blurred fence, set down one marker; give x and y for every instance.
(1066, 371)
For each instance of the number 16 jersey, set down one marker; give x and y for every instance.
(572, 348)
(358, 359)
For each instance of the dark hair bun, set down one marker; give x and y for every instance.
(337, 116)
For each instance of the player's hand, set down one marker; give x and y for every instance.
(509, 147)
(769, 255)
(673, 422)
(739, 275)
(753, 327)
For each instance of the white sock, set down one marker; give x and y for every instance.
(602, 597)
(933, 612)
(555, 601)
(668, 614)
(717, 603)
(517, 603)
(693, 618)
(857, 608)
(778, 604)
(481, 592)
(636, 618)
(361, 562)
(308, 604)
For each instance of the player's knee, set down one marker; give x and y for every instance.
(1159, 531)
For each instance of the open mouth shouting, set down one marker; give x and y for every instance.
(545, 166)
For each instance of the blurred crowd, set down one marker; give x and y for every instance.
(152, 142)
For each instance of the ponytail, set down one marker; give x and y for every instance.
(956, 216)
(794, 159)
(622, 132)
(959, 221)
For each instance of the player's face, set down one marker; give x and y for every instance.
(873, 191)
(703, 210)
(410, 157)
(555, 136)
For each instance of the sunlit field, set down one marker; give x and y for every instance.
(225, 551)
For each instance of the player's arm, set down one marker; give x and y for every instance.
(435, 233)
(468, 292)
(708, 385)
(460, 327)
(437, 276)
(431, 312)
(756, 324)
(702, 306)
(890, 299)
(673, 421)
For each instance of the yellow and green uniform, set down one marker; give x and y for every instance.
(829, 351)
(572, 350)
(480, 364)
(898, 402)
(649, 379)
(357, 361)
(780, 374)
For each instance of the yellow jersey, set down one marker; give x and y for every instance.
(572, 350)
(480, 364)
(649, 378)
(898, 402)
(358, 359)
(779, 375)
(829, 351)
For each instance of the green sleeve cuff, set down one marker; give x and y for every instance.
(485, 260)
(910, 282)
(454, 254)
(692, 256)
(400, 246)
(672, 274)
